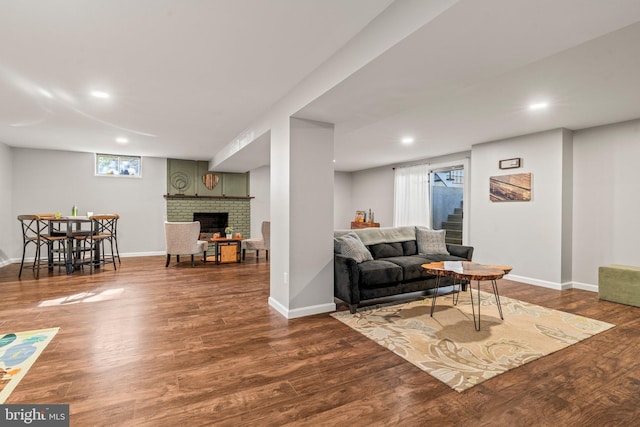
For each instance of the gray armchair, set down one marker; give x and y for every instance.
(259, 244)
(182, 239)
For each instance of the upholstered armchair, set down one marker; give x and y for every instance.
(259, 244)
(182, 239)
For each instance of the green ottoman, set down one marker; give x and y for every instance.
(619, 283)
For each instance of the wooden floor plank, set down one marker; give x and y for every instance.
(152, 346)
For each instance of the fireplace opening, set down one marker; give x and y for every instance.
(212, 222)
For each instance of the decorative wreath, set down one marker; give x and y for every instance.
(180, 181)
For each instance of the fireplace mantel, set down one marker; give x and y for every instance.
(184, 196)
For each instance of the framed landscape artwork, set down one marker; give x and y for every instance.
(508, 188)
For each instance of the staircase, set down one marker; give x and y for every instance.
(453, 225)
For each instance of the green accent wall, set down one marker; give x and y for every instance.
(230, 194)
(185, 177)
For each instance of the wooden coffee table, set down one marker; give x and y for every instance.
(468, 271)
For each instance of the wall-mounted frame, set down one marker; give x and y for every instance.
(510, 163)
(510, 188)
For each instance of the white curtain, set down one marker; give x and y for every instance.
(411, 196)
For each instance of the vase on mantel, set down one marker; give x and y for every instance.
(229, 236)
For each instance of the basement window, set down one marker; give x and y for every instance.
(115, 165)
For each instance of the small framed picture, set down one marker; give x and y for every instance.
(509, 163)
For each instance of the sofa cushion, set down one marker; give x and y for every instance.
(385, 250)
(351, 246)
(409, 248)
(373, 236)
(412, 266)
(431, 241)
(379, 273)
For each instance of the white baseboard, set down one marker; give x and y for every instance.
(122, 255)
(301, 312)
(132, 254)
(552, 285)
(584, 286)
(537, 282)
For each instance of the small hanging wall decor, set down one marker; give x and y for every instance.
(210, 180)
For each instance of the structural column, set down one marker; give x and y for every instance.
(301, 217)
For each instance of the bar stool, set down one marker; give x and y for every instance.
(93, 243)
(34, 231)
(108, 227)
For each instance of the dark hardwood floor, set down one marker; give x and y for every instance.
(153, 346)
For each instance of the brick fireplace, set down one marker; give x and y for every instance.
(182, 208)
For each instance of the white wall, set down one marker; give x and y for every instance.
(343, 207)
(343, 213)
(7, 220)
(259, 189)
(343, 210)
(606, 229)
(373, 189)
(525, 235)
(53, 181)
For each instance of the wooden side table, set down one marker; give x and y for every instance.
(358, 225)
(225, 250)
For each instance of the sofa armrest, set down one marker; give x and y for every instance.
(345, 279)
(465, 252)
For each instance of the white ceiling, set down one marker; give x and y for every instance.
(469, 76)
(186, 77)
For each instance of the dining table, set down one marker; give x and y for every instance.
(71, 226)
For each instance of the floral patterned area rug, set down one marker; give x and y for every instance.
(18, 352)
(448, 347)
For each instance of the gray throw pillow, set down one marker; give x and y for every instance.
(431, 241)
(351, 246)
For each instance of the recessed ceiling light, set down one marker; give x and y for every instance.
(122, 140)
(538, 106)
(407, 140)
(334, 160)
(100, 94)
